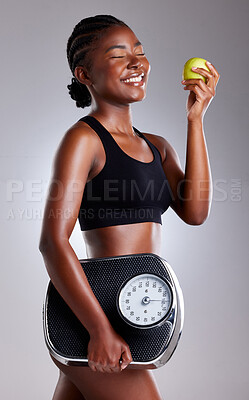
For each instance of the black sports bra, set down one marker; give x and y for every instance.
(126, 190)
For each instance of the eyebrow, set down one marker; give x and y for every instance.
(120, 46)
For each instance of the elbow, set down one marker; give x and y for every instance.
(51, 243)
(43, 245)
(197, 222)
(198, 219)
(47, 243)
(193, 217)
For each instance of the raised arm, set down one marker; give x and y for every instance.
(192, 190)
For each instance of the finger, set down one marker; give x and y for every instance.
(195, 86)
(123, 366)
(199, 93)
(194, 81)
(209, 77)
(92, 366)
(100, 368)
(126, 358)
(106, 369)
(203, 72)
(213, 69)
(96, 367)
(118, 368)
(112, 369)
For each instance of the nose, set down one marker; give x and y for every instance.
(134, 62)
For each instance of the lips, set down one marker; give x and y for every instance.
(133, 78)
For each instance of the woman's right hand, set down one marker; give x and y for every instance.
(106, 349)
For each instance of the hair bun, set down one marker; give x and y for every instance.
(79, 92)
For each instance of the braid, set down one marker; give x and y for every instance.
(81, 42)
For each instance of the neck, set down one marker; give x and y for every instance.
(116, 118)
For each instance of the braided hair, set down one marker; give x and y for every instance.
(82, 41)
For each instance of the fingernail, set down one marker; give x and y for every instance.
(194, 68)
(209, 63)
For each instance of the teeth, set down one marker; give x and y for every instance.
(135, 79)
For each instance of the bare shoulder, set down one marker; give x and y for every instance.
(165, 148)
(80, 132)
(72, 166)
(77, 144)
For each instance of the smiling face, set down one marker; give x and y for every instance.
(119, 69)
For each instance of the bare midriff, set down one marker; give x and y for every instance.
(117, 240)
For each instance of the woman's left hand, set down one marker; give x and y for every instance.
(201, 93)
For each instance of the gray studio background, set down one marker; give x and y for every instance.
(211, 261)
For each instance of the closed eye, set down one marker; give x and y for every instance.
(142, 54)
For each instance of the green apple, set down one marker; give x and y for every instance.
(187, 72)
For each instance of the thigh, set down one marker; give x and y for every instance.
(132, 384)
(66, 390)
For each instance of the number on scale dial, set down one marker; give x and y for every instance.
(145, 300)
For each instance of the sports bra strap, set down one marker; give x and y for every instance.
(99, 129)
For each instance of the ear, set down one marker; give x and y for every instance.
(82, 76)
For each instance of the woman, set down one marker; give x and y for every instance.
(110, 73)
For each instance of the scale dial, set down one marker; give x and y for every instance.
(145, 300)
